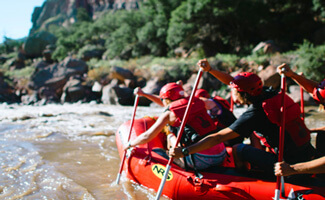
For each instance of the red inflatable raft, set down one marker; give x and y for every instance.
(145, 166)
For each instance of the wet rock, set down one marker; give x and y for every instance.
(25, 117)
(29, 99)
(97, 87)
(105, 114)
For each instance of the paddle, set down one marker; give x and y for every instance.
(302, 106)
(281, 136)
(231, 102)
(179, 135)
(131, 125)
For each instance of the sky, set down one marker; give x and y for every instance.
(16, 16)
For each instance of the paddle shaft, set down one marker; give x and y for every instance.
(179, 135)
(231, 102)
(302, 105)
(281, 135)
(129, 136)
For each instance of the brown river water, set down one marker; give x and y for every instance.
(68, 151)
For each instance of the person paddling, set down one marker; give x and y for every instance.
(199, 123)
(217, 107)
(316, 166)
(247, 89)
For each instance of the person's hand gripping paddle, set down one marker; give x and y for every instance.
(281, 137)
(179, 135)
(131, 125)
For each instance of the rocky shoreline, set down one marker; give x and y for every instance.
(69, 81)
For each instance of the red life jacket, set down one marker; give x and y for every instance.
(222, 101)
(198, 119)
(294, 125)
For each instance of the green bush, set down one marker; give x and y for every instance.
(310, 60)
(20, 73)
(230, 60)
(206, 27)
(10, 45)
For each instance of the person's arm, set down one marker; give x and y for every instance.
(318, 129)
(209, 103)
(307, 84)
(221, 76)
(316, 166)
(151, 97)
(206, 143)
(255, 141)
(152, 132)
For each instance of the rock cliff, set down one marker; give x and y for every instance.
(63, 12)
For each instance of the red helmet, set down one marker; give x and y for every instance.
(247, 82)
(172, 91)
(202, 93)
(319, 93)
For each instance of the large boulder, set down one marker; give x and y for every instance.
(91, 51)
(153, 86)
(121, 73)
(207, 82)
(42, 74)
(71, 66)
(37, 42)
(108, 97)
(48, 95)
(56, 83)
(46, 75)
(48, 80)
(124, 76)
(114, 94)
(73, 90)
(7, 93)
(270, 77)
